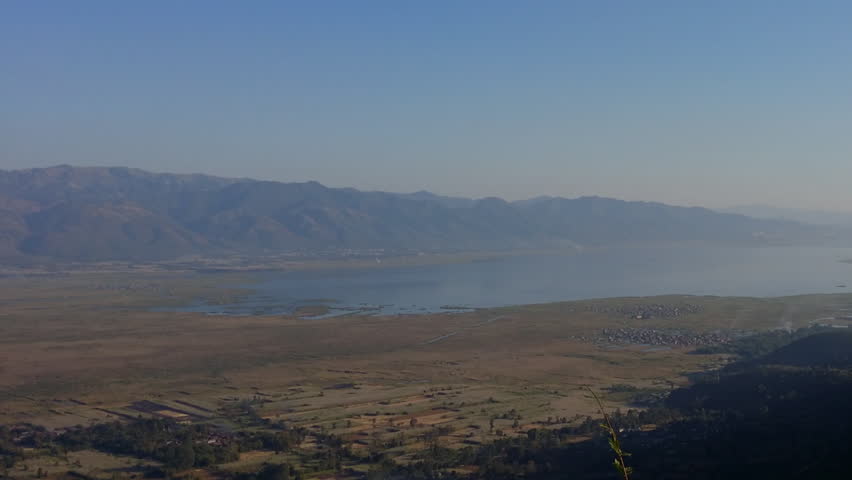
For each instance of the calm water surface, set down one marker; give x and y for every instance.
(598, 273)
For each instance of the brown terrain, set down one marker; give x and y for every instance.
(89, 347)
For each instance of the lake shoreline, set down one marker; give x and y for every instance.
(488, 280)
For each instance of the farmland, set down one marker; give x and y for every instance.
(88, 348)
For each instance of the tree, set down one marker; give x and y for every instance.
(183, 456)
(274, 472)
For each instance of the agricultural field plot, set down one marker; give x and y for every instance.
(89, 463)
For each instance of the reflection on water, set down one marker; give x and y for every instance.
(515, 280)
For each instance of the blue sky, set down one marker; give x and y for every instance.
(700, 103)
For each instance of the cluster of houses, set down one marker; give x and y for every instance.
(647, 311)
(661, 337)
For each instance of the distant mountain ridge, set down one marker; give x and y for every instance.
(114, 213)
(814, 217)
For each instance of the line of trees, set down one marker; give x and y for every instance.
(177, 446)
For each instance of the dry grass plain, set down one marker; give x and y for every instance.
(82, 348)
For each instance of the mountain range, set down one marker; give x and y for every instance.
(67, 213)
(814, 217)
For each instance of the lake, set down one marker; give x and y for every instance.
(514, 280)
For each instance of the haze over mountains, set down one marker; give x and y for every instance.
(814, 217)
(93, 214)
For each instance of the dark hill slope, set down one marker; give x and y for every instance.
(828, 349)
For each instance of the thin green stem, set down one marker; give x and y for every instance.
(620, 464)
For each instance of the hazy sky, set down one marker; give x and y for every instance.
(714, 102)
